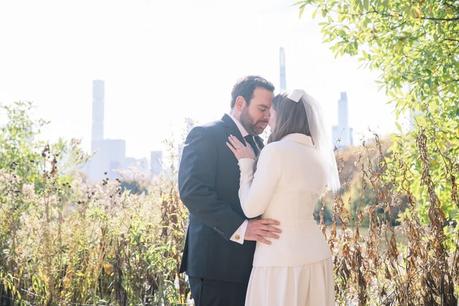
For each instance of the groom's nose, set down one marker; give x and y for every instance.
(267, 115)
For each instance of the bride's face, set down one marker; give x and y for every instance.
(272, 119)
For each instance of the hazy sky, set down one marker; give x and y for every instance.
(166, 60)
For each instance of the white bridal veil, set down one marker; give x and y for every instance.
(319, 136)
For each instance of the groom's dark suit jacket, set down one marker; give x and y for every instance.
(209, 183)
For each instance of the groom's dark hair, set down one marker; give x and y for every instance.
(245, 87)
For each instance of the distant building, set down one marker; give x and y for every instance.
(342, 133)
(140, 164)
(107, 160)
(135, 169)
(97, 129)
(282, 76)
(114, 155)
(109, 155)
(156, 163)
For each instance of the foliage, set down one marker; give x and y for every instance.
(354, 163)
(63, 241)
(133, 186)
(414, 46)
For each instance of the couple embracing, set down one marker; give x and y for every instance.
(252, 239)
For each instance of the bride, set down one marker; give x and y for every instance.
(292, 172)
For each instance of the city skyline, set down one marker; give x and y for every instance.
(108, 156)
(163, 62)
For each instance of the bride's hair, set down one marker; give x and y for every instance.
(290, 118)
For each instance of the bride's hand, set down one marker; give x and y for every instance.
(239, 149)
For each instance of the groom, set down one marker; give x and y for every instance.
(220, 240)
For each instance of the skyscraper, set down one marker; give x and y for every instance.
(97, 131)
(342, 133)
(156, 163)
(282, 76)
(109, 155)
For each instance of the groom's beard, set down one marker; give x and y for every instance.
(253, 127)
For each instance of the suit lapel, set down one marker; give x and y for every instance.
(232, 128)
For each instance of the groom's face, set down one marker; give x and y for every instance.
(255, 116)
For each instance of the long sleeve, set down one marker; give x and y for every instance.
(197, 175)
(256, 189)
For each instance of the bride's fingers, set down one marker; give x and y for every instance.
(230, 140)
(261, 239)
(235, 149)
(236, 141)
(233, 142)
(268, 221)
(269, 234)
(230, 146)
(271, 229)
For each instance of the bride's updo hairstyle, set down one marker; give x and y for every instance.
(290, 118)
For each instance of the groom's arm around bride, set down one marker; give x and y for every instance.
(208, 185)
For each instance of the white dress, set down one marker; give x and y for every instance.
(296, 269)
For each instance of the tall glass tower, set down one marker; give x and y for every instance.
(97, 130)
(342, 133)
(282, 77)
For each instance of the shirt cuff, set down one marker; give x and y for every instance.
(239, 234)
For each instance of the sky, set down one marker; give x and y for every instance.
(163, 61)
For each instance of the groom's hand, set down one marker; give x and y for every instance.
(262, 229)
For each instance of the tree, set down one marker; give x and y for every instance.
(28, 168)
(415, 47)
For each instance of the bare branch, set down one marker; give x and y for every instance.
(440, 19)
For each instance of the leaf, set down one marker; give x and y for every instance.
(366, 4)
(416, 12)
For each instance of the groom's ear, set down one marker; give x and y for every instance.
(240, 103)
